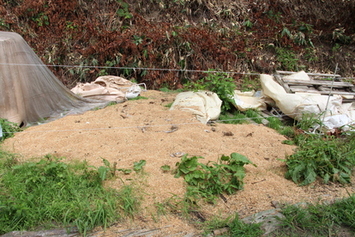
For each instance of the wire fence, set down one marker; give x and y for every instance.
(144, 68)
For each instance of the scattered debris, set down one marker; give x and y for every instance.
(228, 134)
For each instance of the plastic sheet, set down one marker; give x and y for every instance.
(30, 92)
(331, 110)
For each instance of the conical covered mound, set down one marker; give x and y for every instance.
(29, 91)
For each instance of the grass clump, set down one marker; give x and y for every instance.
(232, 226)
(319, 220)
(50, 193)
(235, 118)
(276, 124)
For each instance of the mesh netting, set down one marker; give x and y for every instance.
(29, 91)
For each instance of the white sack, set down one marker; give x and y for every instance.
(204, 104)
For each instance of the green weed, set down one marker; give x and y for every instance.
(248, 84)
(309, 122)
(235, 118)
(129, 200)
(124, 10)
(139, 165)
(254, 115)
(8, 129)
(239, 228)
(219, 83)
(331, 159)
(276, 124)
(287, 59)
(140, 98)
(234, 227)
(41, 19)
(3, 24)
(214, 178)
(319, 220)
(51, 193)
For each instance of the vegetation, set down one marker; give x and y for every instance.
(331, 159)
(183, 38)
(50, 193)
(173, 49)
(210, 180)
(8, 129)
(218, 83)
(319, 219)
(336, 219)
(72, 195)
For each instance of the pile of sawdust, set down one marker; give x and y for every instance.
(146, 130)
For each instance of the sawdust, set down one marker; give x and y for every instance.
(146, 130)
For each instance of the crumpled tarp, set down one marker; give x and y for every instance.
(109, 88)
(249, 100)
(331, 110)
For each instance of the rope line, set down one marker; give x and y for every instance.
(131, 68)
(140, 68)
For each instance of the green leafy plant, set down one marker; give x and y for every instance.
(165, 168)
(286, 32)
(69, 25)
(139, 165)
(124, 10)
(287, 58)
(138, 39)
(339, 36)
(219, 83)
(8, 129)
(41, 19)
(109, 64)
(129, 201)
(214, 178)
(328, 158)
(248, 24)
(107, 171)
(3, 24)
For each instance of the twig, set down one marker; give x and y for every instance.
(258, 181)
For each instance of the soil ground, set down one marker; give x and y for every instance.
(147, 130)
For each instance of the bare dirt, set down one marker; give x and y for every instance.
(147, 130)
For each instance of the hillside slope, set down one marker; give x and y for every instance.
(184, 36)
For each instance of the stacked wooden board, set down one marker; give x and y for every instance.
(325, 84)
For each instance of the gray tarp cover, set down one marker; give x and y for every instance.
(29, 91)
